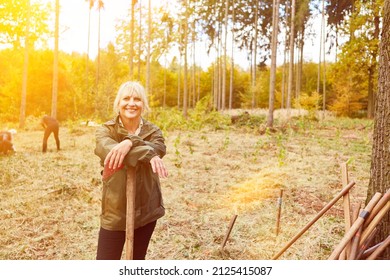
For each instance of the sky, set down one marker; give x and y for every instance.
(74, 30)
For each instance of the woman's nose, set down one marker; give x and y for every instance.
(131, 102)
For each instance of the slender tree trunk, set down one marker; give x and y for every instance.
(285, 55)
(323, 32)
(291, 65)
(140, 40)
(254, 55)
(372, 69)
(55, 64)
(179, 69)
(97, 97)
(87, 89)
(148, 89)
(22, 117)
(380, 158)
(232, 61)
(193, 72)
(185, 81)
(131, 54)
(224, 67)
(274, 44)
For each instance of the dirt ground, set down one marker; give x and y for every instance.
(50, 203)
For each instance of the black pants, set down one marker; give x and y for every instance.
(48, 131)
(110, 244)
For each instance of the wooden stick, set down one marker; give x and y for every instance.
(370, 250)
(347, 210)
(366, 243)
(385, 198)
(232, 221)
(319, 215)
(355, 240)
(279, 212)
(380, 249)
(130, 212)
(355, 227)
(375, 221)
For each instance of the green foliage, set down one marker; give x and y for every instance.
(199, 118)
(309, 102)
(245, 119)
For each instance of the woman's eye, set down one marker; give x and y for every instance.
(137, 99)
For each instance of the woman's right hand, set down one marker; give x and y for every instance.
(115, 157)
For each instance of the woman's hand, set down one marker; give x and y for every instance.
(159, 167)
(115, 157)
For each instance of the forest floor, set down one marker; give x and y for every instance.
(50, 203)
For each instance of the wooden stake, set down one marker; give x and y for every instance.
(322, 212)
(279, 212)
(347, 210)
(130, 212)
(366, 244)
(232, 221)
(370, 250)
(355, 227)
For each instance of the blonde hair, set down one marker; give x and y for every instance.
(133, 89)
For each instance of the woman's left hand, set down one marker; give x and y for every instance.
(158, 167)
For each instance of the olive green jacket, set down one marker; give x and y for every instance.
(148, 200)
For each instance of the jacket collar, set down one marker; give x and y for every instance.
(146, 129)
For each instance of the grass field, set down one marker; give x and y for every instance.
(50, 203)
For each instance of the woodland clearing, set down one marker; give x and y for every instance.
(50, 203)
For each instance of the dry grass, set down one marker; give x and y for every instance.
(50, 202)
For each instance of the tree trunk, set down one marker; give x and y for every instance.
(140, 40)
(232, 63)
(254, 55)
(131, 54)
(372, 69)
(380, 158)
(185, 86)
(274, 43)
(55, 64)
(224, 57)
(148, 90)
(291, 65)
(22, 118)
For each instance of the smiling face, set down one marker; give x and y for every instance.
(131, 101)
(130, 106)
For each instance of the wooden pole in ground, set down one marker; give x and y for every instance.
(380, 249)
(319, 215)
(347, 209)
(232, 221)
(355, 227)
(130, 212)
(279, 212)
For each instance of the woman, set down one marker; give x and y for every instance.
(129, 140)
